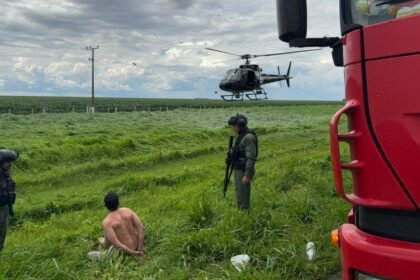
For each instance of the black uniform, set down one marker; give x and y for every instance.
(7, 199)
(244, 156)
(7, 194)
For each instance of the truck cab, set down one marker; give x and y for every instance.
(379, 50)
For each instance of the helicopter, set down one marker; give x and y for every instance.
(247, 80)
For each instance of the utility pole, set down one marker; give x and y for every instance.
(92, 59)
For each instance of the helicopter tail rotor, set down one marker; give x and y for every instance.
(288, 74)
(278, 70)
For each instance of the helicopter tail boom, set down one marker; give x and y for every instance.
(267, 78)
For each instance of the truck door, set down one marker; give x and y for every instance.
(394, 95)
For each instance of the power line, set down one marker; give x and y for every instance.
(92, 59)
(40, 56)
(25, 55)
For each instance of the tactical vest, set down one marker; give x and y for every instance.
(238, 155)
(7, 189)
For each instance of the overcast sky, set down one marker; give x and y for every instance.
(42, 47)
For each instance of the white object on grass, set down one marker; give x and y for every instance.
(240, 262)
(310, 250)
(94, 255)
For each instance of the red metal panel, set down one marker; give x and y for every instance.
(394, 94)
(377, 256)
(385, 163)
(352, 47)
(374, 184)
(396, 37)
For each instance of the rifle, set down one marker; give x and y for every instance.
(229, 165)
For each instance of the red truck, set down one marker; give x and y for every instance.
(379, 51)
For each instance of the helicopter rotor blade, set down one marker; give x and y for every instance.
(235, 59)
(283, 53)
(214, 50)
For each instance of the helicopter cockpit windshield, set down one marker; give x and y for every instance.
(232, 75)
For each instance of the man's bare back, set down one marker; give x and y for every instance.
(123, 228)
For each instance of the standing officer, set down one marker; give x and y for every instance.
(7, 192)
(244, 156)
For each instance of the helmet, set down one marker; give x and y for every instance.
(7, 156)
(239, 120)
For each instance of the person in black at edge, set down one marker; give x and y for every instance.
(7, 192)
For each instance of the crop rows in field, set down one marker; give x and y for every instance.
(36, 105)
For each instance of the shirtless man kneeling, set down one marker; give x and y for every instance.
(123, 228)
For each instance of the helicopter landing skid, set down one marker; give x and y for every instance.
(233, 97)
(256, 95)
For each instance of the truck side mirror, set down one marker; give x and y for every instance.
(292, 24)
(291, 19)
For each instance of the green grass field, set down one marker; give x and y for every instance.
(36, 105)
(168, 166)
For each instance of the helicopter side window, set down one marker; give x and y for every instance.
(251, 76)
(245, 75)
(238, 75)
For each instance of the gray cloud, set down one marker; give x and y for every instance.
(166, 38)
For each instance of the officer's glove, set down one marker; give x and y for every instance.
(12, 198)
(11, 212)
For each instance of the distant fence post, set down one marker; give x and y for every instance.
(44, 110)
(116, 109)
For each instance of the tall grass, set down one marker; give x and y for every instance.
(169, 167)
